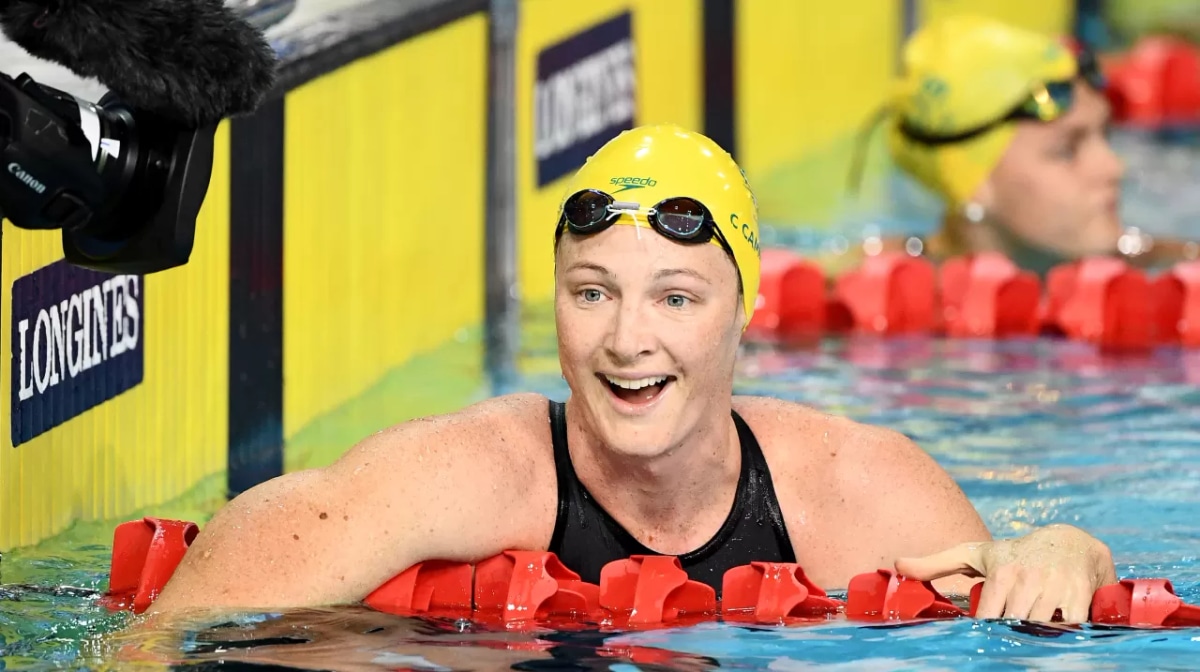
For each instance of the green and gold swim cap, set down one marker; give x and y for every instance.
(961, 73)
(651, 165)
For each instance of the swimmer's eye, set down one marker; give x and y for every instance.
(1064, 152)
(1068, 150)
(591, 295)
(678, 301)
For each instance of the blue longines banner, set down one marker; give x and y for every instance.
(586, 95)
(77, 342)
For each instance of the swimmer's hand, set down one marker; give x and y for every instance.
(1057, 567)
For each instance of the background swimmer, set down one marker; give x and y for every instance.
(1009, 128)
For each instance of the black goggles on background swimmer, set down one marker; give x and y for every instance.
(1047, 101)
(678, 218)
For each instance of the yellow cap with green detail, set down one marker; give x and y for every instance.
(647, 170)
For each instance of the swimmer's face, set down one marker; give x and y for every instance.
(635, 309)
(1057, 188)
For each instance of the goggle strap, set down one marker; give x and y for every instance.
(858, 160)
(917, 135)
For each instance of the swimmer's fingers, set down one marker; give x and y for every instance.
(1061, 600)
(1052, 598)
(1034, 594)
(1077, 605)
(996, 593)
(964, 559)
(1029, 591)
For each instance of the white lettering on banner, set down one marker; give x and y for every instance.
(582, 100)
(77, 334)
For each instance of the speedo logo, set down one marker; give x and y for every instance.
(627, 183)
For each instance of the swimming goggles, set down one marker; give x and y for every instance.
(1047, 101)
(679, 218)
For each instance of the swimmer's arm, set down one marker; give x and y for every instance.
(906, 504)
(1165, 252)
(424, 489)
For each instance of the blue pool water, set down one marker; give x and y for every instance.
(1034, 431)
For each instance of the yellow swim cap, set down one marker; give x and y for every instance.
(650, 164)
(961, 73)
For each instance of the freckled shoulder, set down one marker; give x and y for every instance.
(826, 456)
(796, 428)
(510, 426)
(513, 438)
(483, 476)
(792, 434)
(528, 415)
(508, 436)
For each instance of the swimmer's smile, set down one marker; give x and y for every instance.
(636, 391)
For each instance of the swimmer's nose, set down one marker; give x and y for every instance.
(630, 336)
(1110, 166)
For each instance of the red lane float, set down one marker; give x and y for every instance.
(771, 592)
(887, 596)
(524, 588)
(1143, 602)
(987, 295)
(144, 556)
(793, 305)
(518, 585)
(1103, 301)
(433, 587)
(890, 293)
(650, 589)
(1177, 308)
(1156, 84)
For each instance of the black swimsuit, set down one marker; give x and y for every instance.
(586, 537)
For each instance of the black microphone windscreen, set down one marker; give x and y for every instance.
(192, 61)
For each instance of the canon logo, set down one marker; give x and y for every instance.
(29, 180)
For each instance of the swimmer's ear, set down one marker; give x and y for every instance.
(985, 194)
(739, 315)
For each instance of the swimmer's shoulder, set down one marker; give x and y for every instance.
(511, 426)
(521, 423)
(485, 448)
(832, 457)
(790, 425)
(800, 436)
(493, 458)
